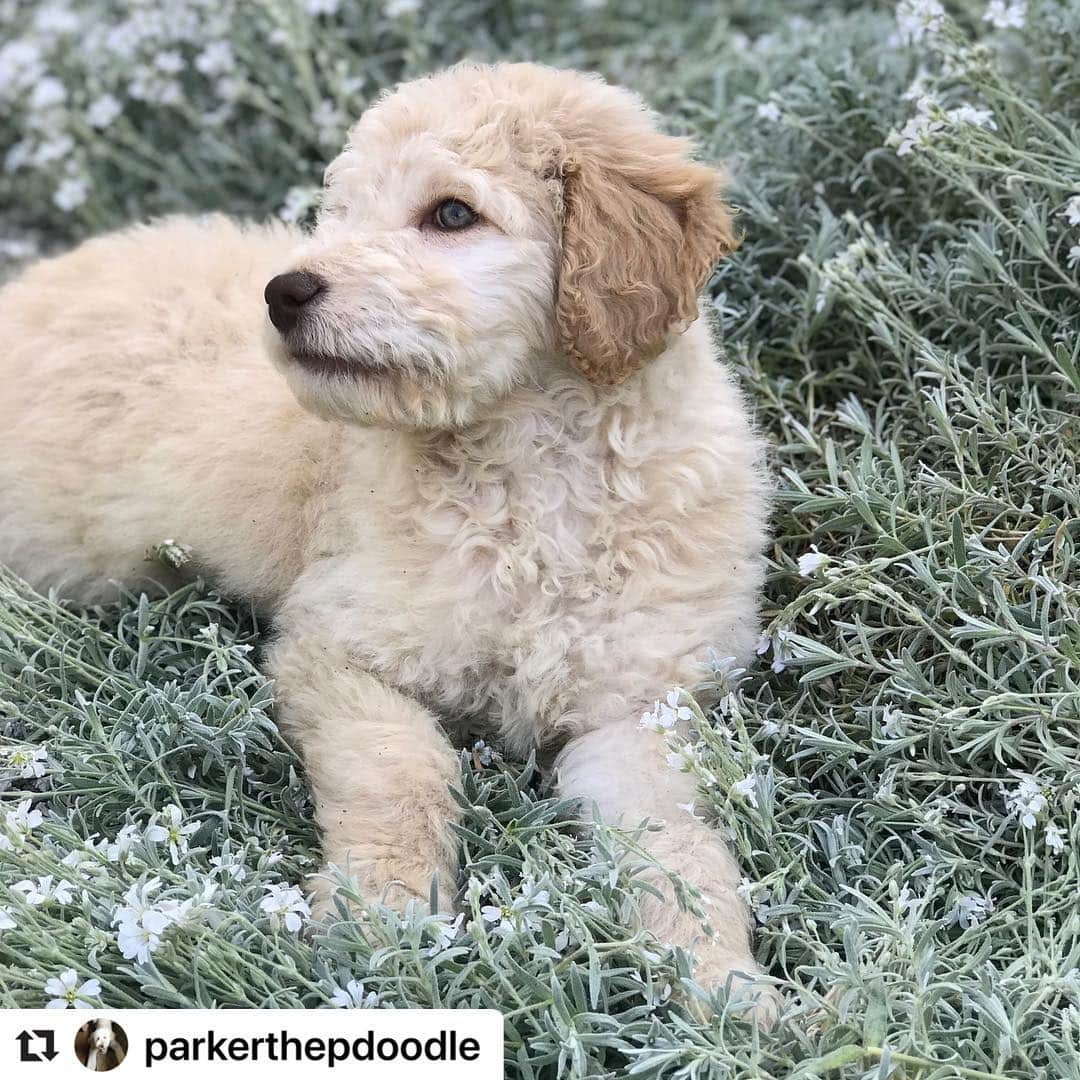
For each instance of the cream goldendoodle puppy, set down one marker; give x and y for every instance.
(484, 462)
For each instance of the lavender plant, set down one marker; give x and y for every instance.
(899, 772)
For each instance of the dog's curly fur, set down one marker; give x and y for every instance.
(520, 488)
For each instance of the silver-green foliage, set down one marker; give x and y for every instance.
(901, 787)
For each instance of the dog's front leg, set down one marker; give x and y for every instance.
(625, 772)
(379, 766)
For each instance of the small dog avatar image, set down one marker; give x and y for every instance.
(101, 1045)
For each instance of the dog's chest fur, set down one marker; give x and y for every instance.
(569, 543)
(454, 558)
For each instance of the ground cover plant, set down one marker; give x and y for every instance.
(899, 771)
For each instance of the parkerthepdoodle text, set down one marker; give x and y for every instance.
(444, 1045)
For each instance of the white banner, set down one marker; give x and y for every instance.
(377, 1044)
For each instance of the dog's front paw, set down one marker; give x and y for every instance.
(720, 958)
(392, 882)
(750, 996)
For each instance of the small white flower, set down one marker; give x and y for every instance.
(1002, 15)
(7, 922)
(688, 808)
(47, 94)
(118, 848)
(55, 20)
(137, 940)
(216, 59)
(500, 915)
(769, 110)
(20, 65)
(228, 865)
(968, 114)
(917, 19)
(892, 723)
(1054, 839)
(137, 901)
(970, 911)
(916, 134)
(812, 561)
(66, 993)
(682, 758)
(285, 904)
(481, 754)
(169, 827)
(71, 192)
(173, 912)
(298, 201)
(519, 915)
(666, 714)
(30, 761)
(1072, 210)
(22, 821)
(321, 7)
(1026, 802)
(918, 86)
(352, 996)
(445, 934)
(747, 788)
(80, 861)
(779, 644)
(1074, 255)
(329, 122)
(169, 61)
(18, 248)
(102, 111)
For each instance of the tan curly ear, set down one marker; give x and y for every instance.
(642, 227)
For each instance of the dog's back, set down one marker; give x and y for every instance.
(136, 393)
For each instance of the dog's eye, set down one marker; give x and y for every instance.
(452, 215)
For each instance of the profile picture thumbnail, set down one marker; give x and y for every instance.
(101, 1045)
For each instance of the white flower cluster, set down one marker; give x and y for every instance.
(523, 910)
(930, 119)
(1004, 16)
(969, 911)
(757, 896)
(142, 922)
(1028, 803)
(44, 890)
(917, 19)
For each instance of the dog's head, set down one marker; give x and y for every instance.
(484, 227)
(102, 1036)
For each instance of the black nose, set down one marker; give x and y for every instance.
(287, 294)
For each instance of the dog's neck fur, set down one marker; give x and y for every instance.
(572, 420)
